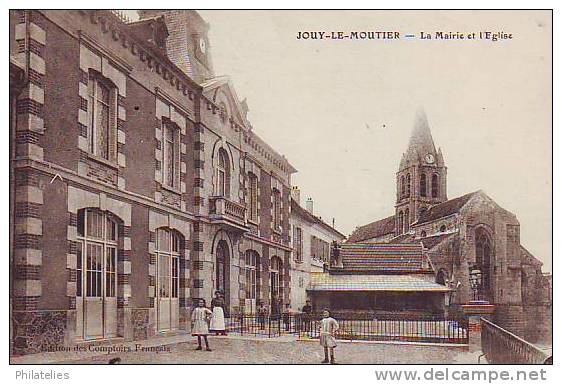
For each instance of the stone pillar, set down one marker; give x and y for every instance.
(474, 310)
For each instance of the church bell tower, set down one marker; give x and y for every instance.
(421, 180)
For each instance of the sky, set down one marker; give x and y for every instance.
(342, 111)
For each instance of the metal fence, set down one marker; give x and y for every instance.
(503, 347)
(388, 327)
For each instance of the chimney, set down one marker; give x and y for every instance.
(310, 205)
(296, 194)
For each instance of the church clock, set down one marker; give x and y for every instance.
(202, 45)
(429, 159)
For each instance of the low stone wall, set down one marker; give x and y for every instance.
(38, 331)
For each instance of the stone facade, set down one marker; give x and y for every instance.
(125, 121)
(470, 231)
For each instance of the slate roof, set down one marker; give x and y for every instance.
(445, 208)
(374, 229)
(373, 258)
(297, 209)
(402, 283)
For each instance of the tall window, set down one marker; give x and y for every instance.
(171, 160)
(297, 243)
(276, 277)
(223, 174)
(407, 220)
(402, 186)
(314, 247)
(253, 196)
(400, 222)
(435, 185)
(276, 210)
(484, 257)
(167, 256)
(102, 105)
(97, 243)
(252, 275)
(423, 185)
(222, 267)
(408, 179)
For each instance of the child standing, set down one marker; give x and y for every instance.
(199, 318)
(328, 328)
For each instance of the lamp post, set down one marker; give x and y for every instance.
(475, 277)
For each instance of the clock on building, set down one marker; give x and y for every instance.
(429, 159)
(202, 45)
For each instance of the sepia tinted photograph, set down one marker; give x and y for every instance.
(280, 187)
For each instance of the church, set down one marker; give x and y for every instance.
(463, 234)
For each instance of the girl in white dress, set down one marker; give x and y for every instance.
(199, 320)
(217, 322)
(328, 328)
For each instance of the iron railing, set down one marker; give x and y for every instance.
(400, 327)
(503, 347)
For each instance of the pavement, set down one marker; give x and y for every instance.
(233, 349)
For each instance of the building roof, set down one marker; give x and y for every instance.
(445, 208)
(375, 229)
(381, 258)
(394, 283)
(297, 209)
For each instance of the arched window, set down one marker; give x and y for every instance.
(435, 185)
(408, 185)
(423, 185)
(423, 234)
(221, 271)
(402, 186)
(407, 220)
(484, 257)
(252, 274)
(223, 174)
(96, 273)
(96, 268)
(102, 121)
(442, 228)
(400, 222)
(276, 277)
(253, 196)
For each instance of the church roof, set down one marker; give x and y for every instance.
(375, 229)
(421, 142)
(377, 258)
(445, 208)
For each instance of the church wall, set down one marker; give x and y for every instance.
(434, 227)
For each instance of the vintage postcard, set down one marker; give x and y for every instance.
(279, 187)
